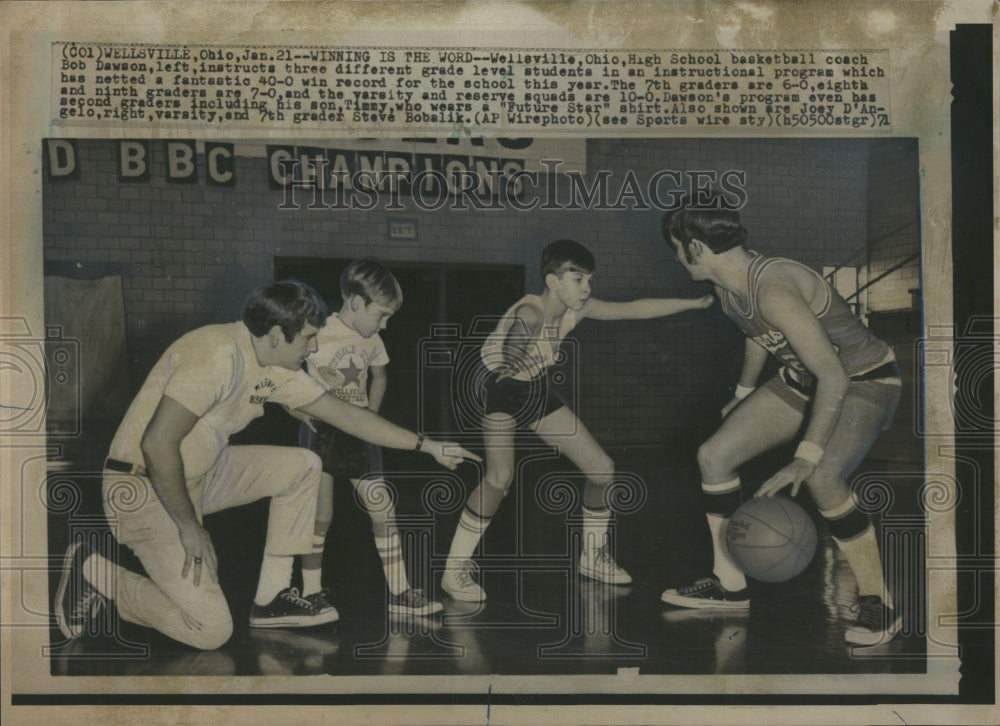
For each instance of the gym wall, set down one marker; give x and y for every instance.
(188, 254)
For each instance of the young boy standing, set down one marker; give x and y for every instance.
(349, 351)
(517, 396)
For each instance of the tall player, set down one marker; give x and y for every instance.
(170, 463)
(837, 377)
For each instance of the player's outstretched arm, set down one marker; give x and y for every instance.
(161, 451)
(785, 308)
(643, 308)
(754, 358)
(371, 427)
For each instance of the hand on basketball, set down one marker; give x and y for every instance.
(447, 453)
(199, 554)
(794, 473)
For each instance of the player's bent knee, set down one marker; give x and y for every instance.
(714, 462)
(708, 456)
(499, 478)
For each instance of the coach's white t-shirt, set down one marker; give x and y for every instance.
(213, 372)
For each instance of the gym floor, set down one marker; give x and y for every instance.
(541, 617)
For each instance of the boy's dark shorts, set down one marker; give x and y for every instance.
(526, 401)
(344, 456)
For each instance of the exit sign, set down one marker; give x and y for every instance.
(402, 229)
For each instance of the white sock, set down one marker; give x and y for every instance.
(862, 554)
(391, 553)
(102, 574)
(595, 528)
(467, 535)
(730, 576)
(312, 581)
(275, 576)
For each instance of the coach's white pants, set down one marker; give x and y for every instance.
(199, 616)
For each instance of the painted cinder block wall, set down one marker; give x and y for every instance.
(188, 253)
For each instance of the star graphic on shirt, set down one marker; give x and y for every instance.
(352, 374)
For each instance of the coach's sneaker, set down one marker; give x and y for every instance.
(77, 603)
(707, 593)
(288, 609)
(598, 564)
(460, 582)
(413, 602)
(321, 601)
(876, 623)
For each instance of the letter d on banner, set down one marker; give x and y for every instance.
(61, 159)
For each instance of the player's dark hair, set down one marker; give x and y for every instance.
(288, 303)
(369, 279)
(717, 229)
(566, 254)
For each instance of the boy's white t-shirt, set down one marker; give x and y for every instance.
(342, 359)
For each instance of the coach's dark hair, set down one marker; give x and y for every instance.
(373, 282)
(288, 303)
(565, 253)
(718, 229)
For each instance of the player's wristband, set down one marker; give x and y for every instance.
(809, 451)
(743, 391)
(420, 442)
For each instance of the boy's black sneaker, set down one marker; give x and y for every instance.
(707, 593)
(321, 601)
(875, 624)
(288, 609)
(413, 602)
(77, 603)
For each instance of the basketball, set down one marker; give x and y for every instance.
(771, 539)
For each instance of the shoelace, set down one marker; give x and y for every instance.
(414, 597)
(89, 606)
(292, 595)
(698, 586)
(467, 573)
(870, 616)
(602, 558)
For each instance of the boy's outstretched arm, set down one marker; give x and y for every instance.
(643, 308)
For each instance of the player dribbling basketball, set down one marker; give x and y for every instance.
(830, 359)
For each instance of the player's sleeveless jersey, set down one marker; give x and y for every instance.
(859, 350)
(544, 347)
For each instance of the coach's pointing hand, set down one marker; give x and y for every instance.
(199, 554)
(447, 453)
